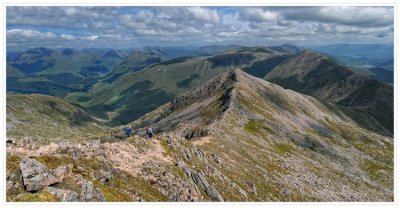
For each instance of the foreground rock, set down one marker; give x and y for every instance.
(87, 192)
(63, 195)
(63, 171)
(35, 175)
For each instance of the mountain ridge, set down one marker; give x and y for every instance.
(317, 75)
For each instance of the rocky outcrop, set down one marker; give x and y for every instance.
(98, 195)
(63, 171)
(169, 184)
(35, 175)
(202, 183)
(86, 192)
(62, 194)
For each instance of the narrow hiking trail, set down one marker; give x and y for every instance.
(130, 157)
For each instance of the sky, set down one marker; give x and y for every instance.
(134, 27)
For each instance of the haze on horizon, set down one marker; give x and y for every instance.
(126, 27)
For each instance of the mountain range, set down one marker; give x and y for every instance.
(231, 123)
(374, 60)
(58, 71)
(317, 75)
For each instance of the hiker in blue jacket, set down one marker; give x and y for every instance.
(128, 131)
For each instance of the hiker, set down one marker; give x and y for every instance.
(128, 131)
(149, 131)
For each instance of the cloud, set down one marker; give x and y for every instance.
(90, 37)
(25, 33)
(259, 15)
(204, 14)
(354, 16)
(67, 37)
(139, 26)
(60, 17)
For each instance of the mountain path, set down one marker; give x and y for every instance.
(123, 155)
(128, 157)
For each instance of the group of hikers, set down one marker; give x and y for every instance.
(148, 130)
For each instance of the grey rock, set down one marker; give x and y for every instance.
(213, 193)
(10, 176)
(253, 186)
(35, 175)
(186, 154)
(172, 186)
(62, 194)
(196, 152)
(98, 195)
(200, 181)
(241, 191)
(80, 168)
(87, 192)
(63, 171)
(216, 159)
(171, 144)
(65, 146)
(96, 147)
(9, 185)
(104, 177)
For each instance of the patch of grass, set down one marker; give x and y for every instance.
(34, 79)
(113, 195)
(165, 146)
(12, 163)
(52, 162)
(283, 148)
(38, 197)
(121, 188)
(374, 168)
(257, 105)
(254, 127)
(179, 172)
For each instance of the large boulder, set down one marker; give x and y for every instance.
(35, 176)
(62, 194)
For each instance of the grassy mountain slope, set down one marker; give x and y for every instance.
(373, 54)
(58, 72)
(48, 118)
(253, 140)
(317, 75)
(136, 93)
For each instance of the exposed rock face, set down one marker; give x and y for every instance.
(202, 183)
(98, 195)
(175, 188)
(35, 175)
(63, 195)
(63, 171)
(12, 185)
(87, 192)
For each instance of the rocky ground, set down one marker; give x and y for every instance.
(135, 169)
